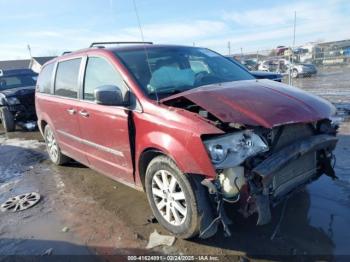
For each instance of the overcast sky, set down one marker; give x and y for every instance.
(54, 26)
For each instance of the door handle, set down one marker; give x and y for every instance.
(71, 111)
(84, 113)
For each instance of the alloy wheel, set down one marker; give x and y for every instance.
(169, 197)
(52, 146)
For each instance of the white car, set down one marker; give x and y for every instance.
(284, 65)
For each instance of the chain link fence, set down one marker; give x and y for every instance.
(296, 62)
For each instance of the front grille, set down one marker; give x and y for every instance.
(298, 171)
(27, 100)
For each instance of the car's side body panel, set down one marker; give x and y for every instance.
(106, 137)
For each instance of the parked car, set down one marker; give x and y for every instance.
(303, 69)
(17, 90)
(259, 74)
(284, 65)
(280, 50)
(251, 64)
(187, 126)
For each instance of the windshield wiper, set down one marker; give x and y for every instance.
(169, 91)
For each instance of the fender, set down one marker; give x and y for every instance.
(191, 156)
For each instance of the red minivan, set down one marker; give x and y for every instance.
(186, 125)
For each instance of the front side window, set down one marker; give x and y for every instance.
(99, 72)
(168, 70)
(67, 75)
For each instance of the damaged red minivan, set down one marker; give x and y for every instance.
(186, 125)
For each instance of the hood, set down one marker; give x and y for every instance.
(258, 103)
(19, 91)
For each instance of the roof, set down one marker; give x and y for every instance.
(339, 44)
(43, 59)
(14, 64)
(125, 47)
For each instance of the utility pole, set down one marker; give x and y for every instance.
(295, 24)
(30, 51)
(292, 51)
(229, 47)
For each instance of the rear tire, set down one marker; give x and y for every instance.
(53, 149)
(7, 120)
(171, 198)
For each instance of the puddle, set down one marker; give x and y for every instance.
(18, 156)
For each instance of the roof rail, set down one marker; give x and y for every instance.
(66, 52)
(118, 43)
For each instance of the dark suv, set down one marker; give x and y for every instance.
(17, 104)
(188, 126)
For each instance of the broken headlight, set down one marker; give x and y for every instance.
(12, 101)
(232, 149)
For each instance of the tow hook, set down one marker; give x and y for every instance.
(220, 211)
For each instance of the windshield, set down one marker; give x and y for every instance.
(176, 69)
(9, 82)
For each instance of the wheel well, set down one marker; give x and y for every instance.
(43, 123)
(145, 158)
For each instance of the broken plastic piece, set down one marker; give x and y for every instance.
(48, 252)
(211, 187)
(263, 207)
(155, 239)
(65, 229)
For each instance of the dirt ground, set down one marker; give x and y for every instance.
(85, 213)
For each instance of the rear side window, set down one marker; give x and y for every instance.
(44, 81)
(100, 72)
(67, 75)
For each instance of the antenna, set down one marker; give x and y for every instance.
(144, 44)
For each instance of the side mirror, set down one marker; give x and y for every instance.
(109, 95)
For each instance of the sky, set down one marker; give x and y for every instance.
(53, 26)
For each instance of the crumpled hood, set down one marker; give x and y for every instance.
(258, 103)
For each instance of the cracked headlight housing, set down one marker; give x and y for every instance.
(13, 101)
(232, 149)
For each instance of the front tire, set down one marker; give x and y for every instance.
(53, 149)
(171, 198)
(7, 119)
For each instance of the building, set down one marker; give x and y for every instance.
(35, 63)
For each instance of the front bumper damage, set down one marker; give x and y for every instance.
(320, 145)
(264, 183)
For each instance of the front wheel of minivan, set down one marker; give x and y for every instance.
(52, 147)
(171, 197)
